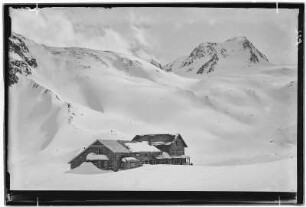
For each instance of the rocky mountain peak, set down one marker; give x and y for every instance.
(203, 50)
(20, 59)
(207, 56)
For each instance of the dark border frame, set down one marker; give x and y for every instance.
(14, 197)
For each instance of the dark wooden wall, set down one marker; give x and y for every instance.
(177, 148)
(145, 157)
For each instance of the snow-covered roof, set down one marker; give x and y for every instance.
(93, 156)
(159, 139)
(164, 155)
(180, 156)
(80, 151)
(161, 143)
(140, 147)
(126, 159)
(114, 145)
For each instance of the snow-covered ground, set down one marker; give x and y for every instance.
(270, 176)
(239, 123)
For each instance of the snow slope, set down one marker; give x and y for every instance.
(143, 54)
(209, 56)
(72, 96)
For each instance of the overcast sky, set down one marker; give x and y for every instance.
(167, 33)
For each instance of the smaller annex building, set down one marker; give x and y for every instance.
(124, 154)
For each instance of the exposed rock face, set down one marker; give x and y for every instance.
(20, 59)
(209, 66)
(208, 56)
(155, 63)
(147, 56)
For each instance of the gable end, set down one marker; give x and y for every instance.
(178, 136)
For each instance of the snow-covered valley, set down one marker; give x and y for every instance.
(240, 123)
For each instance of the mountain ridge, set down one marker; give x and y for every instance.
(207, 56)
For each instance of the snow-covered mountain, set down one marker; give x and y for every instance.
(145, 55)
(50, 84)
(209, 56)
(61, 99)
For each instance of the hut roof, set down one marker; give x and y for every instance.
(80, 151)
(180, 156)
(159, 139)
(140, 147)
(114, 146)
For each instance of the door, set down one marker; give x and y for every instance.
(105, 165)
